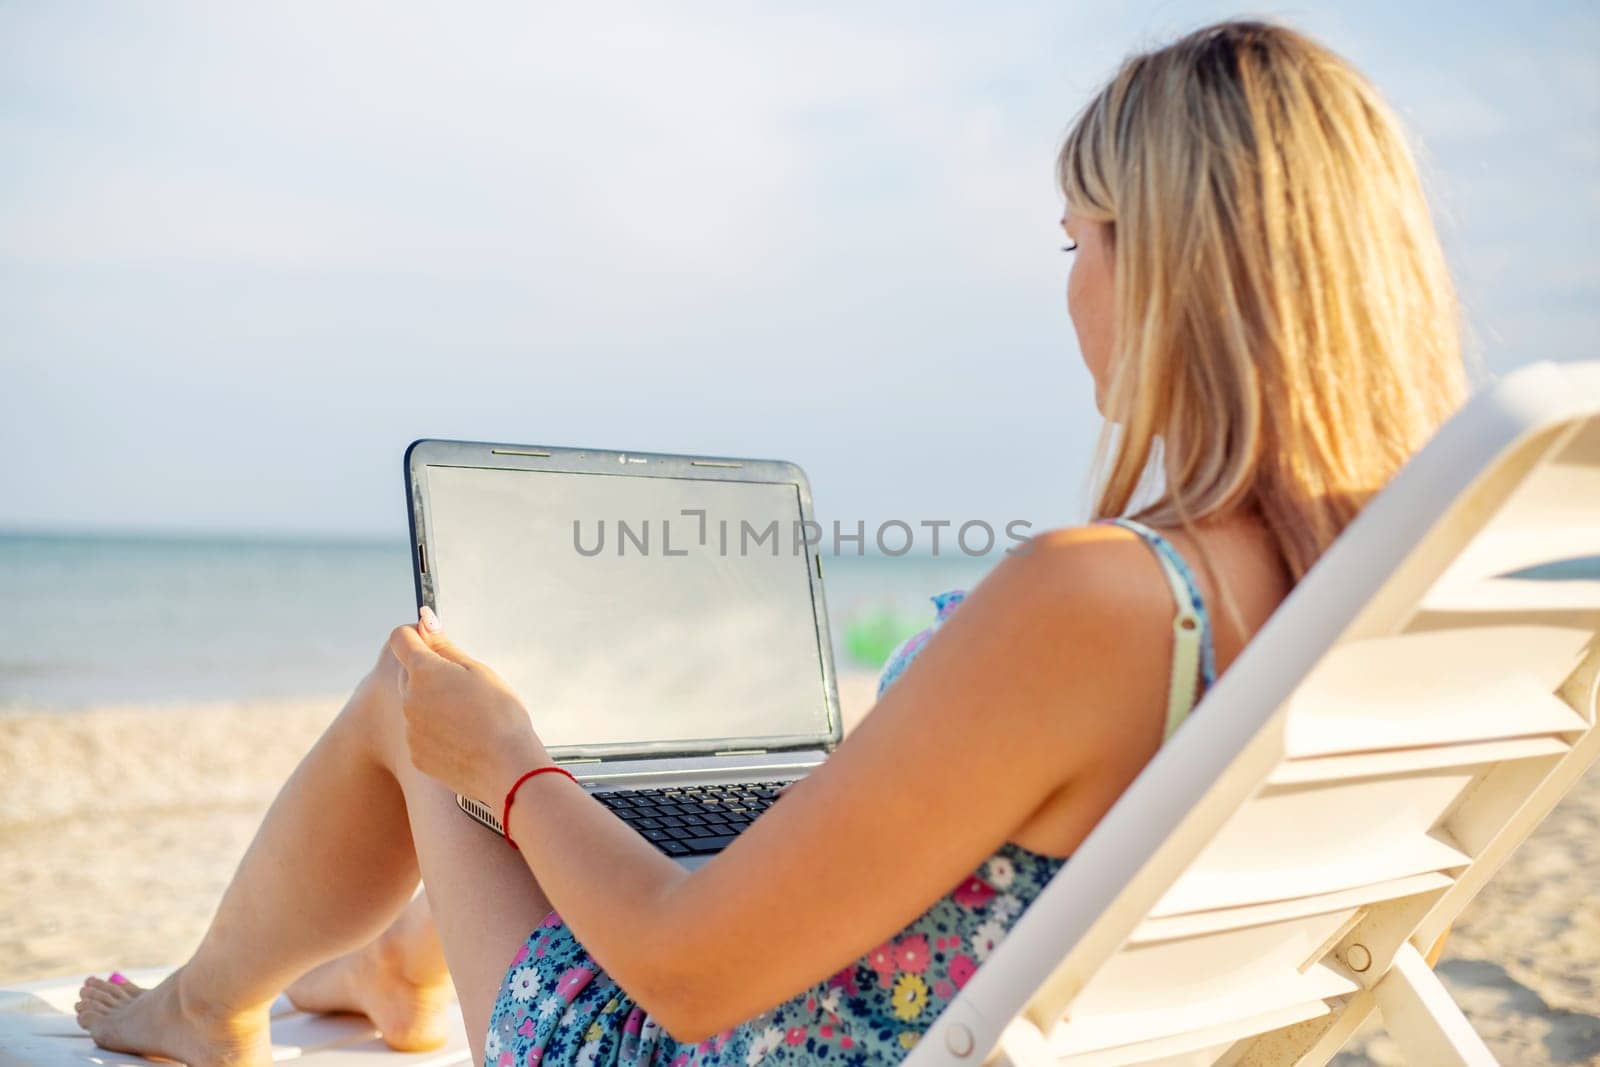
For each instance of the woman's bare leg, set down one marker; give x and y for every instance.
(399, 981)
(332, 865)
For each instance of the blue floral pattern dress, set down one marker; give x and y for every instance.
(557, 1005)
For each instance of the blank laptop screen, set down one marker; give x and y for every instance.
(621, 620)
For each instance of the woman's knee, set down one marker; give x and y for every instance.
(373, 710)
(386, 671)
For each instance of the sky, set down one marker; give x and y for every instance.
(249, 252)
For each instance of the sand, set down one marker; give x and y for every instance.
(119, 829)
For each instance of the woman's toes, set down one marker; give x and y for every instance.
(123, 1017)
(90, 1009)
(93, 995)
(117, 995)
(118, 992)
(98, 998)
(124, 990)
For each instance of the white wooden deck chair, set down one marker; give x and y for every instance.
(1404, 720)
(1401, 723)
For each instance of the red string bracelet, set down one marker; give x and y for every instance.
(511, 794)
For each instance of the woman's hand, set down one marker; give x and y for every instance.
(464, 725)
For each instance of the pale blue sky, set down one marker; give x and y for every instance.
(247, 252)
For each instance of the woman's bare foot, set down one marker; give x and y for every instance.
(380, 982)
(168, 1021)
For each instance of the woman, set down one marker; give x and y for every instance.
(1256, 285)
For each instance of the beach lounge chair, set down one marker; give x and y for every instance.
(1404, 720)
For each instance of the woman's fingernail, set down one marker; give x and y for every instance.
(430, 621)
(116, 978)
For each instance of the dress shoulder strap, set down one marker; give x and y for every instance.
(1192, 649)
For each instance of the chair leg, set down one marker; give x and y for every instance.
(1423, 1019)
(1021, 1045)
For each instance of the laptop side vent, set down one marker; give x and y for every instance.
(478, 811)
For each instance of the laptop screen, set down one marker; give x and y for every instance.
(658, 613)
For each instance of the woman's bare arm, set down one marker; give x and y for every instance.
(1024, 691)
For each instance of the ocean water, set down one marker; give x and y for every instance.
(94, 620)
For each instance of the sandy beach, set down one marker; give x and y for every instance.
(120, 827)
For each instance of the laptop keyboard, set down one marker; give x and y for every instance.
(692, 820)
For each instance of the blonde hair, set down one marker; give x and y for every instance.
(1284, 319)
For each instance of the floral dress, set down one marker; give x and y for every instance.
(557, 1006)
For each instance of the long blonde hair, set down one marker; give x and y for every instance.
(1284, 320)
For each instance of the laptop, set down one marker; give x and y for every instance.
(661, 617)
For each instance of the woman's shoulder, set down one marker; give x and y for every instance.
(1089, 588)
(1065, 645)
(1067, 565)
(1116, 572)
(1078, 568)
(1098, 598)
(1085, 602)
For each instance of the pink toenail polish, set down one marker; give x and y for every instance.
(116, 976)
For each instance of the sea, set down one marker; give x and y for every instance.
(92, 620)
(98, 620)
